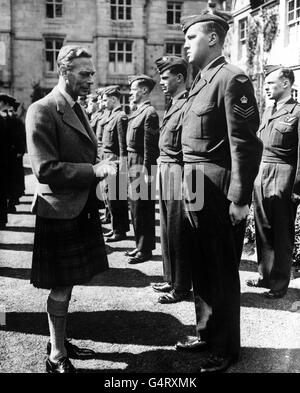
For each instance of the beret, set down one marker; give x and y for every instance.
(205, 16)
(271, 68)
(142, 78)
(113, 90)
(7, 99)
(166, 62)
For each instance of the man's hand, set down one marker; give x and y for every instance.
(105, 168)
(237, 213)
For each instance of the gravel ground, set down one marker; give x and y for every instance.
(118, 316)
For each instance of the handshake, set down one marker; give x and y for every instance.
(105, 168)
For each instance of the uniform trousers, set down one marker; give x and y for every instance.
(142, 209)
(274, 214)
(215, 263)
(117, 207)
(174, 227)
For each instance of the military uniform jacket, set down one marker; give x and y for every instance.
(143, 134)
(114, 133)
(280, 134)
(220, 122)
(100, 126)
(170, 132)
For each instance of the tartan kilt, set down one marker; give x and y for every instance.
(67, 252)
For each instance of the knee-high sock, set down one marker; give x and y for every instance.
(57, 318)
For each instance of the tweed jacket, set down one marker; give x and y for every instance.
(62, 152)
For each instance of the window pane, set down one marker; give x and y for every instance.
(128, 2)
(58, 10)
(120, 46)
(49, 11)
(298, 3)
(178, 16)
(49, 44)
(291, 5)
(128, 13)
(121, 1)
(128, 57)
(128, 46)
(169, 18)
(121, 13)
(59, 44)
(111, 46)
(112, 57)
(121, 57)
(112, 1)
(113, 12)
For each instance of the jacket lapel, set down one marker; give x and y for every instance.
(70, 118)
(176, 107)
(139, 110)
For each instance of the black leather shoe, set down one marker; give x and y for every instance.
(191, 345)
(140, 257)
(63, 366)
(116, 237)
(131, 253)
(108, 234)
(162, 287)
(274, 294)
(173, 297)
(217, 364)
(255, 283)
(74, 352)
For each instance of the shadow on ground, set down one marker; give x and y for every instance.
(113, 326)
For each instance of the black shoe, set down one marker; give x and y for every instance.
(255, 283)
(173, 297)
(108, 234)
(116, 237)
(274, 294)
(131, 253)
(217, 364)
(74, 352)
(61, 367)
(140, 257)
(162, 287)
(191, 345)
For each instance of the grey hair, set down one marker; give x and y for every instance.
(70, 52)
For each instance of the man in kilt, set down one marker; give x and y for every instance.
(68, 245)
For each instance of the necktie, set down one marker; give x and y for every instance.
(168, 106)
(274, 108)
(79, 113)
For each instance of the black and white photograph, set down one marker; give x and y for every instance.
(149, 189)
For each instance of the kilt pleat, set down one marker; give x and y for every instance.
(67, 252)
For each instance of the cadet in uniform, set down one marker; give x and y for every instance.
(277, 186)
(114, 149)
(174, 226)
(142, 147)
(219, 142)
(101, 121)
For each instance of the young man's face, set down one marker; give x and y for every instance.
(275, 86)
(80, 78)
(169, 82)
(108, 102)
(196, 45)
(136, 92)
(91, 106)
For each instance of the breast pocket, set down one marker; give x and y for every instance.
(108, 136)
(205, 118)
(284, 136)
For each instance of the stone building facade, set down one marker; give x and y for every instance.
(124, 36)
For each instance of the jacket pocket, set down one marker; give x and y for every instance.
(206, 119)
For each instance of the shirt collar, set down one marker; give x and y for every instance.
(280, 103)
(174, 99)
(209, 64)
(67, 96)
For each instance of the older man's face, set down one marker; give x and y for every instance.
(196, 45)
(80, 78)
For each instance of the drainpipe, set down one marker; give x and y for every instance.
(12, 36)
